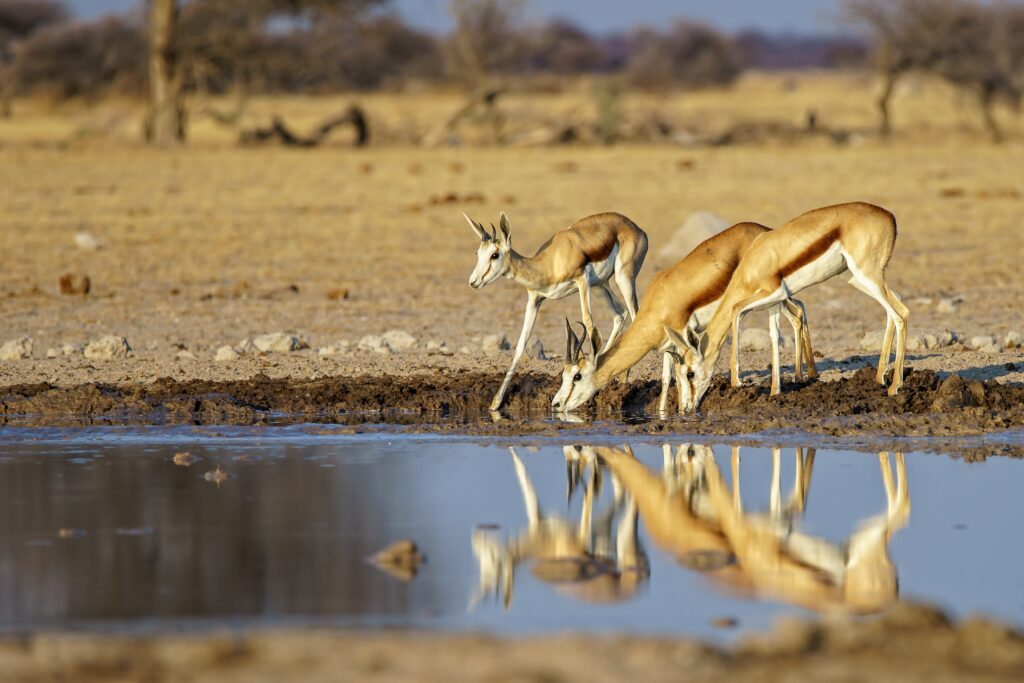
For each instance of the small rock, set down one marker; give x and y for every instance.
(87, 241)
(53, 353)
(872, 341)
(401, 559)
(494, 344)
(337, 294)
(991, 348)
(184, 459)
(105, 348)
(982, 341)
(1013, 340)
(465, 349)
(75, 284)
(399, 340)
(915, 342)
(375, 343)
(277, 342)
(245, 346)
(17, 349)
(536, 350)
(438, 347)
(930, 341)
(338, 347)
(185, 354)
(946, 305)
(226, 353)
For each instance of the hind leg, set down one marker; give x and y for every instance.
(796, 313)
(873, 284)
(890, 327)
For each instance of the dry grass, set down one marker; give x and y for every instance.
(202, 242)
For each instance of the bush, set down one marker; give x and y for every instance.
(689, 55)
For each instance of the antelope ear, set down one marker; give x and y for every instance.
(677, 340)
(504, 229)
(697, 342)
(477, 228)
(595, 343)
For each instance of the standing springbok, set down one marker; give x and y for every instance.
(853, 241)
(683, 296)
(587, 254)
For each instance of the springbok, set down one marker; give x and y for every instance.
(586, 255)
(853, 241)
(580, 559)
(691, 513)
(683, 296)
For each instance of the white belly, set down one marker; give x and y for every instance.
(828, 265)
(599, 271)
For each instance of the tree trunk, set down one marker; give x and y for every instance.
(987, 100)
(884, 100)
(165, 124)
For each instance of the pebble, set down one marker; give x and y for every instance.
(185, 354)
(947, 305)
(225, 353)
(17, 349)
(494, 344)
(245, 346)
(87, 241)
(986, 343)
(440, 347)
(375, 343)
(277, 342)
(1013, 340)
(108, 347)
(338, 347)
(399, 340)
(465, 349)
(872, 341)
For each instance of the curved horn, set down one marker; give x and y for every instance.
(477, 228)
(579, 343)
(570, 341)
(494, 233)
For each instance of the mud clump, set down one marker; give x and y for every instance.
(926, 405)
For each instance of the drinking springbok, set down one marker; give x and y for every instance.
(853, 241)
(588, 254)
(683, 296)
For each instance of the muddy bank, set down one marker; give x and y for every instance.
(910, 643)
(926, 406)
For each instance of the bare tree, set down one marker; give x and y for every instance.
(968, 44)
(689, 55)
(165, 123)
(487, 40)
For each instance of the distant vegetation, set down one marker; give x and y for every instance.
(325, 45)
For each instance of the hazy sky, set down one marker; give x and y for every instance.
(799, 16)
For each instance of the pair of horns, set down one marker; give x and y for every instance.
(478, 228)
(573, 344)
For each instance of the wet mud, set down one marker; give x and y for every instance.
(909, 643)
(927, 405)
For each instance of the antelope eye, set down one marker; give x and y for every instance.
(577, 377)
(494, 256)
(690, 375)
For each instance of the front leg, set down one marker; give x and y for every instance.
(583, 284)
(773, 331)
(533, 303)
(666, 380)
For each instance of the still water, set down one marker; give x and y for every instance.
(101, 529)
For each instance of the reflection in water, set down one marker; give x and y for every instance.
(690, 512)
(581, 559)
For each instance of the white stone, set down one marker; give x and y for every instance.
(915, 342)
(399, 340)
(338, 347)
(185, 354)
(87, 241)
(494, 344)
(438, 347)
(17, 349)
(277, 342)
(946, 305)
(1013, 339)
(930, 341)
(536, 350)
(53, 352)
(695, 229)
(245, 346)
(375, 343)
(225, 353)
(108, 347)
(982, 341)
(921, 301)
(991, 348)
(465, 349)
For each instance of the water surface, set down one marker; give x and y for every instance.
(101, 529)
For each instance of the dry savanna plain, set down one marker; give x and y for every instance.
(213, 245)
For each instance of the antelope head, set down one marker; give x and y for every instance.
(578, 385)
(693, 369)
(492, 256)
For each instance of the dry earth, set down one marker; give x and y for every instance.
(911, 643)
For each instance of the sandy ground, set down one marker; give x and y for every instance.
(911, 643)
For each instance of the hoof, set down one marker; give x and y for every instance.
(894, 389)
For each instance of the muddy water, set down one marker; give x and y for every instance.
(100, 529)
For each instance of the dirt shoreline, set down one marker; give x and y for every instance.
(908, 643)
(928, 405)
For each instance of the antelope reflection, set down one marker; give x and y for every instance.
(690, 512)
(593, 559)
